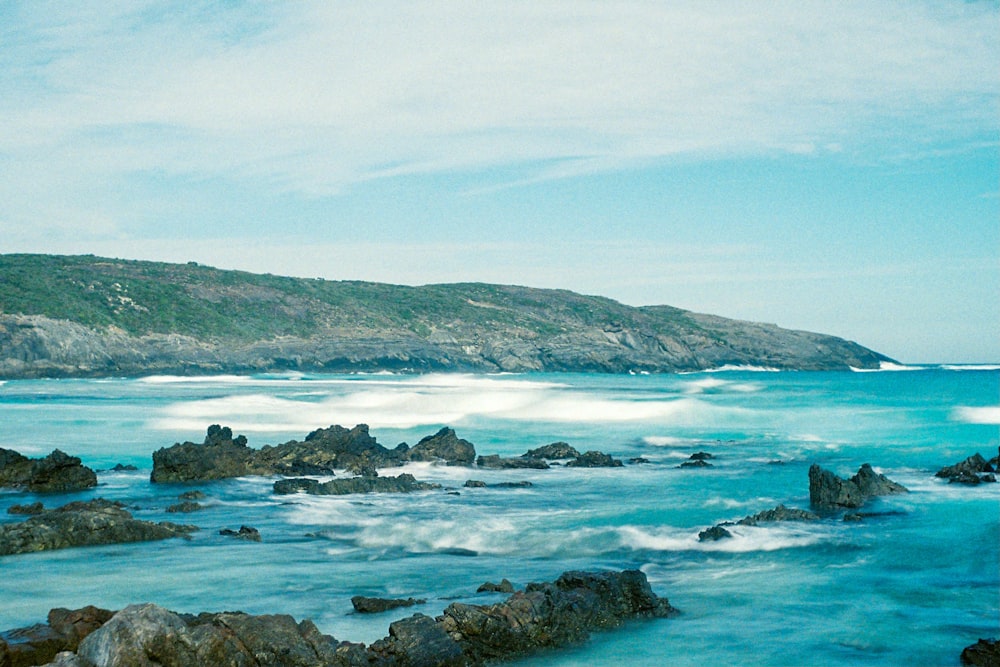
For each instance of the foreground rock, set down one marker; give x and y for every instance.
(57, 472)
(827, 490)
(324, 450)
(973, 470)
(984, 653)
(39, 644)
(404, 483)
(82, 524)
(542, 616)
(779, 513)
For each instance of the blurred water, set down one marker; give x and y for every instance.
(912, 587)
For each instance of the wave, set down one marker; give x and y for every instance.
(713, 384)
(977, 415)
(744, 539)
(737, 368)
(970, 367)
(889, 366)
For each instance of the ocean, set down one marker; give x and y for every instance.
(911, 585)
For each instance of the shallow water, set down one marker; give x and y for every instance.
(912, 587)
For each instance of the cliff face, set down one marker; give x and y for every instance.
(88, 316)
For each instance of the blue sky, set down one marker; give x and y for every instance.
(830, 166)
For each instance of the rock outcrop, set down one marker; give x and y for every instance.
(827, 490)
(83, 524)
(56, 473)
(984, 653)
(41, 643)
(779, 513)
(973, 470)
(324, 450)
(403, 483)
(552, 452)
(594, 459)
(543, 616)
(497, 462)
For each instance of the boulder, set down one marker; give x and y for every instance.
(984, 653)
(696, 463)
(714, 534)
(443, 446)
(503, 587)
(367, 605)
(973, 470)
(830, 491)
(404, 483)
(41, 643)
(56, 473)
(552, 452)
(82, 524)
(248, 533)
(496, 462)
(594, 459)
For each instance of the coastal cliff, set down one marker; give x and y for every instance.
(85, 316)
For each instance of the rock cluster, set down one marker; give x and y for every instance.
(779, 513)
(57, 472)
(403, 483)
(81, 524)
(221, 456)
(973, 470)
(542, 616)
(827, 490)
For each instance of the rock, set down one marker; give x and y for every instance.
(247, 533)
(523, 484)
(218, 457)
(701, 456)
(33, 508)
(984, 653)
(81, 524)
(366, 605)
(123, 468)
(552, 452)
(38, 644)
(474, 484)
(594, 459)
(697, 463)
(779, 513)
(192, 495)
(503, 587)
(404, 483)
(495, 462)
(973, 470)
(443, 446)
(714, 534)
(635, 460)
(828, 490)
(420, 641)
(57, 472)
(185, 507)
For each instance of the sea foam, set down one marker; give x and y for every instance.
(977, 415)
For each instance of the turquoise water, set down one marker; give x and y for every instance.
(913, 587)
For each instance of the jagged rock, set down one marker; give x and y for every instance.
(57, 472)
(984, 653)
(404, 483)
(367, 605)
(30, 509)
(503, 587)
(38, 644)
(554, 451)
(542, 616)
(973, 470)
(443, 446)
(496, 462)
(248, 533)
(779, 513)
(701, 456)
(82, 524)
(218, 457)
(119, 467)
(714, 534)
(594, 459)
(828, 490)
(697, 463)
(193, 495)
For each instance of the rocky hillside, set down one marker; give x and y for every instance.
(89, 316)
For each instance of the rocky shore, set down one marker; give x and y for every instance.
(542, 616)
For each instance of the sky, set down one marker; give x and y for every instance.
(828, 166)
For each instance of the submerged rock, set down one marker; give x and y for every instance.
(542, 616)
(248, 533)
(779, 513)
(82, 524)
(828, 490)
(57, 472)
(496, 462)
(404, 483)
(594, 459)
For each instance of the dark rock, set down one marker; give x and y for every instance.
(192, 495)
(701, 456)
(861, 516)
(76, 624)
(714, 534)
(41, 643)
(697, 463)
(523, 484)
(594, 459)
(123, 468)
(503, 587)
(33, 508)
(637, 460)
(443, 446)
(779, 513)
(420, 641)
(984, 653)
(552, 452)
(247, 533)
(185, 507)
(828, 490)
(56, 473)
(972, 471)
(404, 483)
(82, 524)
(494, 461)
(366, 605)
(475, 484)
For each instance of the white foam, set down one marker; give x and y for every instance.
(736, 368)
(970, 367)
(744, 539)
(977, 415)
(888, 366)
